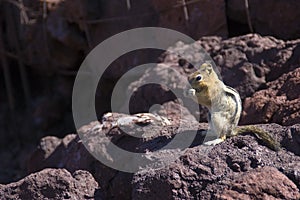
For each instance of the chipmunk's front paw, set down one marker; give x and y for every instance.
(189, 93)
(213, 142)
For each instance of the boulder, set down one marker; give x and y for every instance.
(53, 184)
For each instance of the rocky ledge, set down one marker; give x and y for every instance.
(241, 167)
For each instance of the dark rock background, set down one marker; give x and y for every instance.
(42, 44)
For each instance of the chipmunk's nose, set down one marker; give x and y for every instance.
(191, 80)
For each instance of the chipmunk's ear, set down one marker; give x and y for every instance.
(207, 67)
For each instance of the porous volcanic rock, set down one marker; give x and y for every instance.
(71, 154)
(50, 150)
(68, 153)
(203, 173)
(278, 103)
(53, 184)
(197, 173)
(260, 184)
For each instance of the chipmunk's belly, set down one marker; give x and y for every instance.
(224, 111)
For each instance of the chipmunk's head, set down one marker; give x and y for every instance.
(200, 81)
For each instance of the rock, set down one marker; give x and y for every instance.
(69, 153)
(291, 139)
(49, 151)
(260, 183)
(199, 172)
(53, 184)
(267, 17)
(210, 173)
(278, 103)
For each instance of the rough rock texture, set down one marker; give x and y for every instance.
(69, 153)
(53, 184)
(274, 17)
(50, 149)
(197, 173)
(260, 184)
(279, 103)
(215, 173)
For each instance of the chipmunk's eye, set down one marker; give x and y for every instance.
(198, 78)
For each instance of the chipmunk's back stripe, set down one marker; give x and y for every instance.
(235, 95)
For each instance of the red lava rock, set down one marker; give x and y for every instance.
(279, 103)
(50, 150)
(53, 184)
(259, 183)
(203, 173)
(198, 173)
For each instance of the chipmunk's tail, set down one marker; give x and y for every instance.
(262, 135)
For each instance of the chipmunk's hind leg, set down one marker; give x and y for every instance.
(213, 142)
(218, 130)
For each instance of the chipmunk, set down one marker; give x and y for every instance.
(224, 105)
